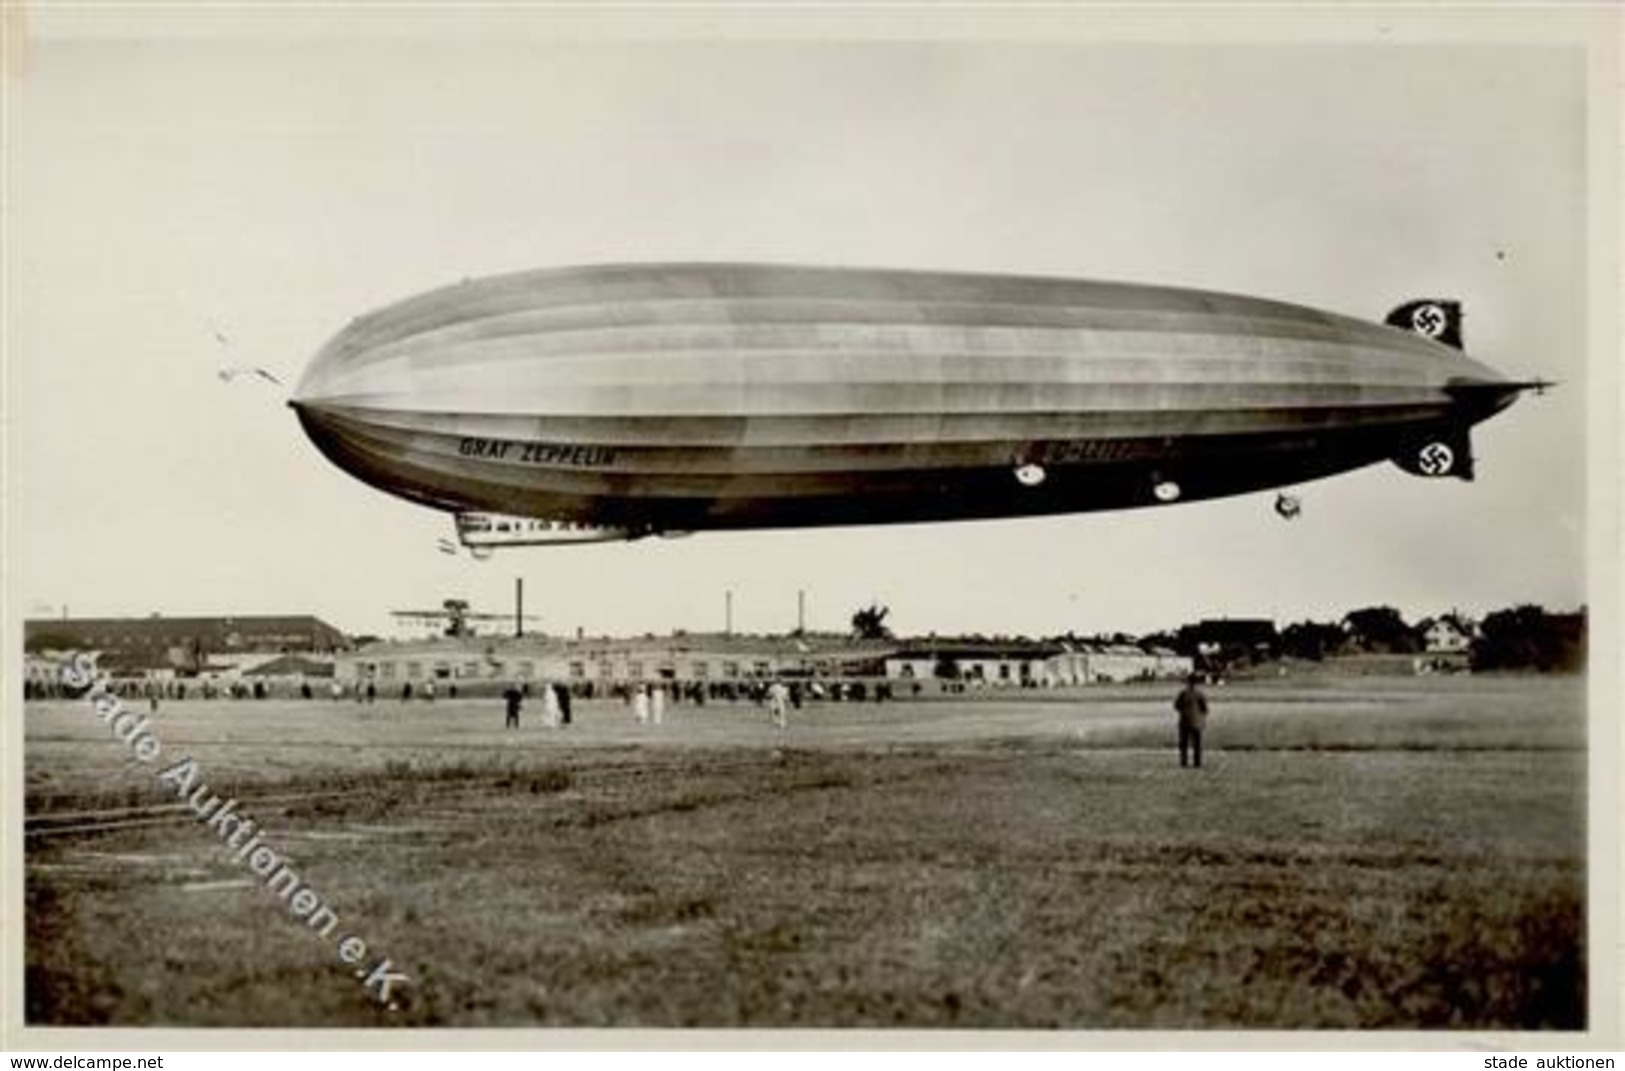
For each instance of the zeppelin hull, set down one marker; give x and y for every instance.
(696, 396)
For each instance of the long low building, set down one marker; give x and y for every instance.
(1025, 664)
(996, 663)
(1117, 663)
(179, 638)
(169, 648)
(609, 662)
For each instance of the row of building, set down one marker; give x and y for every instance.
(714, 659)
(220, 650)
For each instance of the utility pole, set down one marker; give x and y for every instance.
(518, 606)
(728, 613)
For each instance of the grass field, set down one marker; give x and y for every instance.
(1367, 853)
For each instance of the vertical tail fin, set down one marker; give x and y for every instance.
(1431, 318)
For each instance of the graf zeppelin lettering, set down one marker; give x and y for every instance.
(537, 453)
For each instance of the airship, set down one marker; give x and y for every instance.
(613, 402)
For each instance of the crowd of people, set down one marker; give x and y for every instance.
(647, 703)
(152, 690)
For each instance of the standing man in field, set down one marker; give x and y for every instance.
(513, 697)
(1192, 707)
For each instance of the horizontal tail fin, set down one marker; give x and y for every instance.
(1446, 451)
(1431, 318)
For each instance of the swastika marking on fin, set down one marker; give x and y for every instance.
(1435, 459)
(1429, 320)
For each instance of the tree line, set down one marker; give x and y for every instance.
(1526, 637)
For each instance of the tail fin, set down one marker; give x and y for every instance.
(1443, 451)
(1431, 318)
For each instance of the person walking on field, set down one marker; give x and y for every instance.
(778, 698)
(1192, 707)
(513, 697)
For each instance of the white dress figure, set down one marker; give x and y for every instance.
(657, 705)
(550, 706)
(778, 702)
(640, 705)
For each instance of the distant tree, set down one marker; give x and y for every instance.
(456, 616)
(945, 669)
(1527, 637)
(1218, 645)
(869, 623)
(1312, 640)
(1381, 628)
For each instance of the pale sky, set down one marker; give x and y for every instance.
(161, 191)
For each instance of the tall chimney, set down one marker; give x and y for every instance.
(801, 612)
(728, 613)
(518, 606)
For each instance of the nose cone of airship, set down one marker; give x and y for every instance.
(330, 403)
(323, 427)
(332, 425)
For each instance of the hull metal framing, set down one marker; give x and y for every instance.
(687, 397)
